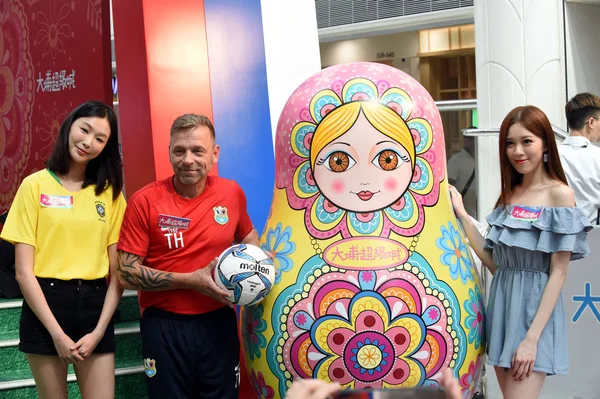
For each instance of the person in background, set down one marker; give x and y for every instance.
(461, 174)
(579, 157)
(65, 222)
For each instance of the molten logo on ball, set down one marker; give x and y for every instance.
(255, 267)
(247, 272)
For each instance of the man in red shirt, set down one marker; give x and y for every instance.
(172, 232)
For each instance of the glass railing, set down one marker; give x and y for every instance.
(458, 116)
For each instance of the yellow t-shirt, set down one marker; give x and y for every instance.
(70, 231)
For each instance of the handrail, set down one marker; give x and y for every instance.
(460, 105)
(558, 132)
(476, 132)
(456, 105)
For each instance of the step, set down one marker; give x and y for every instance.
(128, 354)
(16, 381)
(129, 384)
(10, 313)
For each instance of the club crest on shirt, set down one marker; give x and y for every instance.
(150, 367)
(100, 209)
(221, 216)
(526, 213)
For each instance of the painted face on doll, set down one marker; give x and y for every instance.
(363, 170)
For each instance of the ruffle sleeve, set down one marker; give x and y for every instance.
(556, 229)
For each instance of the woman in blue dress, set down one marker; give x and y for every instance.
(536, 229)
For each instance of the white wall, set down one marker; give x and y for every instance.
(583, 49)
(520, 58)
(404, 45)
(291, 49)
(519, 49)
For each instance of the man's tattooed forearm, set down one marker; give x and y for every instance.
(141, 277)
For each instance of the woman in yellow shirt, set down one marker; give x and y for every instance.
(65, 222)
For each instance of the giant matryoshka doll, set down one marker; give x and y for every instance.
(375, 284)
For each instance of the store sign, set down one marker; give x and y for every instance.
(389, 54)
(56, 81)
(586, 301)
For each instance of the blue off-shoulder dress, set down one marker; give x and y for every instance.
(523, 239)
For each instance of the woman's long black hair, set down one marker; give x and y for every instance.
(103, 171)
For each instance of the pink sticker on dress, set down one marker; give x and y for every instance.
(56, 201)
(525, 213)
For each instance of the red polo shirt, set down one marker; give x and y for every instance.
(176, 234)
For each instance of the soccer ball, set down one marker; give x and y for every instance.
(247, 272)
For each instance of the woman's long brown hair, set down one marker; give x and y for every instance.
(534, 120)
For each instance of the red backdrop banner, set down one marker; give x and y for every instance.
(54, 55)
(163, 71)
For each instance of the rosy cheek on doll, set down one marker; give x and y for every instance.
(338, 186)
(390, 184)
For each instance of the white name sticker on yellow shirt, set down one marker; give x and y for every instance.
(56, 201)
